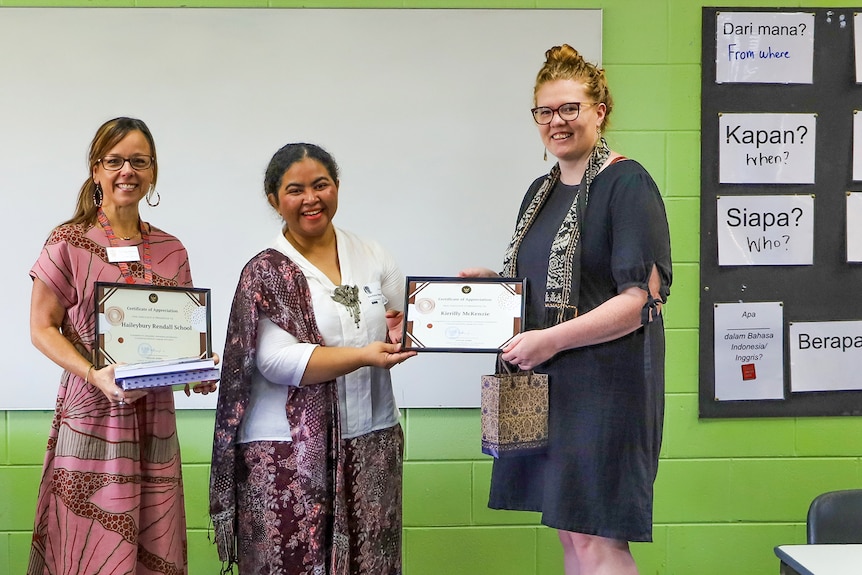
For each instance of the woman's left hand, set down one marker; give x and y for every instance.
(528, 349)
(204, 387)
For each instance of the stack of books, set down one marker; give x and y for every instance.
(165, 373)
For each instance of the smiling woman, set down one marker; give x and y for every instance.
(112, 472)
(307, 199)
(123, 177)
(306, 409)
(592, 240)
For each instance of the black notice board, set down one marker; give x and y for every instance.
(831, 289)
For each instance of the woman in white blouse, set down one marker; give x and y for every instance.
(308, 449)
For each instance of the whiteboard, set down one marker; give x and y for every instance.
(426, 112)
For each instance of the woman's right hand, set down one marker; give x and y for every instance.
(386, 355)
(478, 273)
(104, 380)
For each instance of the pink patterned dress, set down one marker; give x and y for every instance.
(111, 496)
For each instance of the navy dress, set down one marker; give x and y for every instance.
(606, 401)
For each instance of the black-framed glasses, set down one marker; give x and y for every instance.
(115, 163)
(543, 115)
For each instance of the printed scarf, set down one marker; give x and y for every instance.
(564, 260)
(272, 286)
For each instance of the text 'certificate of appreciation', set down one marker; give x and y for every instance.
(143, 323)
(462, 314)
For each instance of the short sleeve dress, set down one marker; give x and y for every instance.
(606, 401)
(111, 495)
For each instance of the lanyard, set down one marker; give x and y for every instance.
(124, 267)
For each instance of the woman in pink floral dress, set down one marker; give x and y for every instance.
(111, 496)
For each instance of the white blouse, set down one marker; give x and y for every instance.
(366, 400)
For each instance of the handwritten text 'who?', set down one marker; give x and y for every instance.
(766, 148)
(765, 230)
(764, 47)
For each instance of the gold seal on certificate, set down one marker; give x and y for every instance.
(144, 323)
(462, 314)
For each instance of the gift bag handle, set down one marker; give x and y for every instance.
(504, 366)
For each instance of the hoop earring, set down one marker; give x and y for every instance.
(98, 195)
(150, 197)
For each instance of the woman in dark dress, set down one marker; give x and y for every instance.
(592, 240)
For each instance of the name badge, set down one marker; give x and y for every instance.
(375, 293)
(123, 254)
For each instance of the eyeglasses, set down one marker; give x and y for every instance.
(115, 163)
(568, 112)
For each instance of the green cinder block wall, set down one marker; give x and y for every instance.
(728, 491)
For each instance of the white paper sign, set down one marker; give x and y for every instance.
(854, 227)
(765, 230)
(857, 44)
(857, 143)
(825, 356)
(749, 351)
(766, 148)
(764, 47)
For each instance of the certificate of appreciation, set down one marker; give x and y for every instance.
(462, 314)
(143, 323)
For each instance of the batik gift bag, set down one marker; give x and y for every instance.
(514, 412)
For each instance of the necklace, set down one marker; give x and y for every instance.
(348, 296)
(124, 267)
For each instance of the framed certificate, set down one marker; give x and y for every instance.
(143, 323)
(462, 314)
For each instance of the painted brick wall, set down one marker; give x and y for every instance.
(728, 491)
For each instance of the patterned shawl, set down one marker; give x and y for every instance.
(564, 262)
(271, 285)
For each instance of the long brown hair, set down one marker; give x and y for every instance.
(565, 63)
(107, 136)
